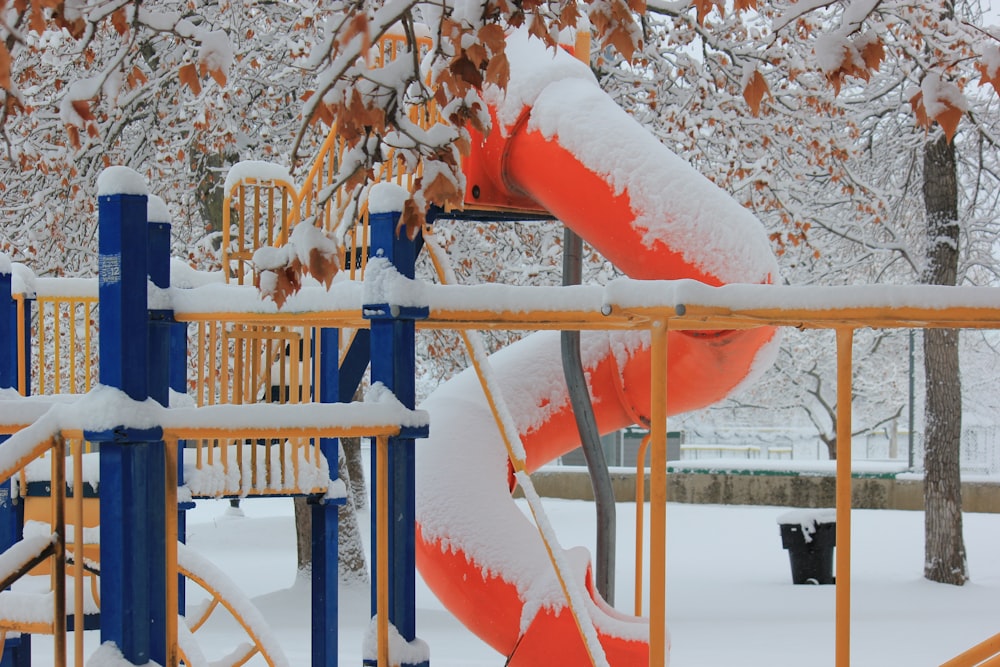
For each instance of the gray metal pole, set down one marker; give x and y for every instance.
(590, 438)
(909, 441)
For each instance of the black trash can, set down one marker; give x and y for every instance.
(810, 536)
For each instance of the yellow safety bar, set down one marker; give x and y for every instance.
(264, 213)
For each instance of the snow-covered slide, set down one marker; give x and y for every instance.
(565, 145)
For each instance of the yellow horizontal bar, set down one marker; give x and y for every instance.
(27, 628)
(257, 493)
(686, 317)
(326, 318)
(242, 432)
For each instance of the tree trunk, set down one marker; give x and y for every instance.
(352, 561)
(944, 547)
(303, 533)
(357, 489)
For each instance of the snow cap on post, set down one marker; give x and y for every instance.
(156, 209)
(387, 198)
(121, 181)
(6, 266)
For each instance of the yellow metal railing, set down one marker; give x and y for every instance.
(255, 213)
(263, 212)
(64, 357)
(66, 518)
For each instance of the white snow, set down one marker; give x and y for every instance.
(109, 655)
(808, 520)
(400, 650)
(387, 198)
(725, 602)
(156, 210)
(257, 170)
(121, 181)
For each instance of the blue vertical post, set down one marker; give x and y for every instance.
(161, 319)
(325, 515)
(394, 365)
(131, 610)
(179, 383)
(16, 651)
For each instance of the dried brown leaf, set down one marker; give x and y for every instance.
(4, 67)
(119, 19)
(754, 92)
(498, 71)
(188, 75)
(465, 70)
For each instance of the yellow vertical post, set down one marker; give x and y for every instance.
(58, 454)
(41, 346)
(22, 337)
(170, 539)
(78, 541)
(71, 324)
(845, 340)
(658, 496)
(382, 557)
(57, 342)
(87, 342)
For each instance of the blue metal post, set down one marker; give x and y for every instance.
(325, 515)
(160, 323)
(394, 365)
(132, 614)
(17, 651)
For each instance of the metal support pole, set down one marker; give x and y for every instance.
(161, 321)
(133, 578)
(658, 496)
(393, 364)
(325, 516)
(16, 652)
(912, 397)
(590, 437)
(845, 343)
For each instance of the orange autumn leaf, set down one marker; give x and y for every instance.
(703, 8)
(443, 191)
(622, 41)
(873, 54)
(357, 26)
(949, 118)
(754, 92)
(492, 36)
(74, 136)
(188, 75)
(986, 77)
(323, 266)
(4, 67)
(743, 5)
(119, 19)
(82, 109)
(36, 22)
(412, 219)
(215, 72)
(498, 71)
(136, 77)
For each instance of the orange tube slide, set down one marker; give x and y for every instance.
(475, 549)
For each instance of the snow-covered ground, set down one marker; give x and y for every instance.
(730, 598)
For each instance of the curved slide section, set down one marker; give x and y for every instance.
(565, 145)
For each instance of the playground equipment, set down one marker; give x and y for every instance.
(652, 347)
